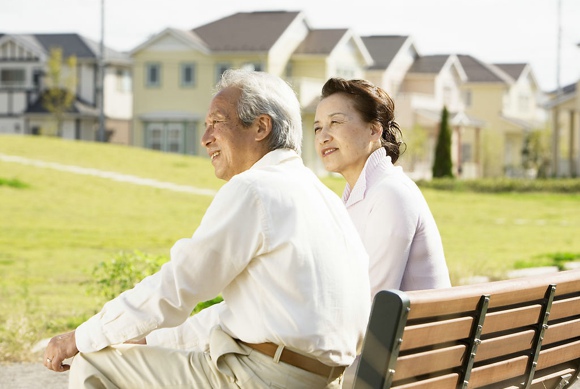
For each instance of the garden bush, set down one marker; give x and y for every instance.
(127, 269)
(502, 185)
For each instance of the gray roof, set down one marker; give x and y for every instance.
(383, 48)
(71, 44)
(246, 31)
(513, 69)
(429, 64)
(478, 71)
(321, 41)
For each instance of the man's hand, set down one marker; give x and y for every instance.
(60, 348)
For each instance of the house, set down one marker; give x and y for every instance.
(564, 115)
(24, 81)
(522, 117)
(175, 71)
(392, 57)
(493, 107)
(431, 83)
(505, 98)
(323, 54)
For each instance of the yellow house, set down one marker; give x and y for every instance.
(564, 116)
(175, 71)
(431, 83)
(506, 99)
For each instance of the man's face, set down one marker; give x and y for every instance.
(229, 144)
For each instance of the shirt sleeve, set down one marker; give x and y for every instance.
(229, 236)
(390, 226)
(193, 334)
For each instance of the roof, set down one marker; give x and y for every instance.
(429, 64)
(513, 69)
(71, 44)
(78, 107)
(188, 37)
(321, 41)
(246, 31)
(478, 71)
(383, 48)
(566, 89)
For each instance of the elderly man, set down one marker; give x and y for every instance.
(275, 242)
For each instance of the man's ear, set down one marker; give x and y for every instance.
(264, 127)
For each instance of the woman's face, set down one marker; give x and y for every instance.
(343, 140)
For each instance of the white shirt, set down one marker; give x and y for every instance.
(280, 248)
(397, 228)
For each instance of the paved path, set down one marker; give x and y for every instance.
(31, 376)
(109, 175)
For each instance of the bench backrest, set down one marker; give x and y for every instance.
(516, 333)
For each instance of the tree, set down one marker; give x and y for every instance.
(536, 152)
(61, 83)
(442, 166)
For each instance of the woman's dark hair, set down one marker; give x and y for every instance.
(374, 105)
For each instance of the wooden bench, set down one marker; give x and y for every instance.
(519, 333)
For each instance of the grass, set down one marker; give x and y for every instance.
(55, 227)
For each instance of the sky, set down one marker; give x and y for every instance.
(543, 33)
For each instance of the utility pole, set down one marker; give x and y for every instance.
(101, 78)
(556, 110)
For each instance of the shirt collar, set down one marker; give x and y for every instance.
(352, 196)
(276, 157)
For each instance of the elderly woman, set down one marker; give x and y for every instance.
(356, 135)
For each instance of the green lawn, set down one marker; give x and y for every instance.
(56, 226)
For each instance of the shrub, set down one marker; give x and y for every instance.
(551, 259)
(126, 270)
(13, 183)
(503, 185)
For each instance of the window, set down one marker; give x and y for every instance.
(187, 74)
(37, 75)
(466, 153)
(174, 140)
(255, 66)
(524, 103)
(153, 74)
(12, 77)
(467, 97)
(123, 80)
(165, 136)
(288, 70)
(155, 136)
(220, 69)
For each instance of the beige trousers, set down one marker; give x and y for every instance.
(229, 364)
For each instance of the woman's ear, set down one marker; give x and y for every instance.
(376, 130)
(264, 127)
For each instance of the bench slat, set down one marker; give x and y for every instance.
(505, 345)
(446, 381)
(429, 362)
(428, 334)
(561, 331)
(559, 354)
(498, 372)
(511, 318)
(464, 298)
(565, 308)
